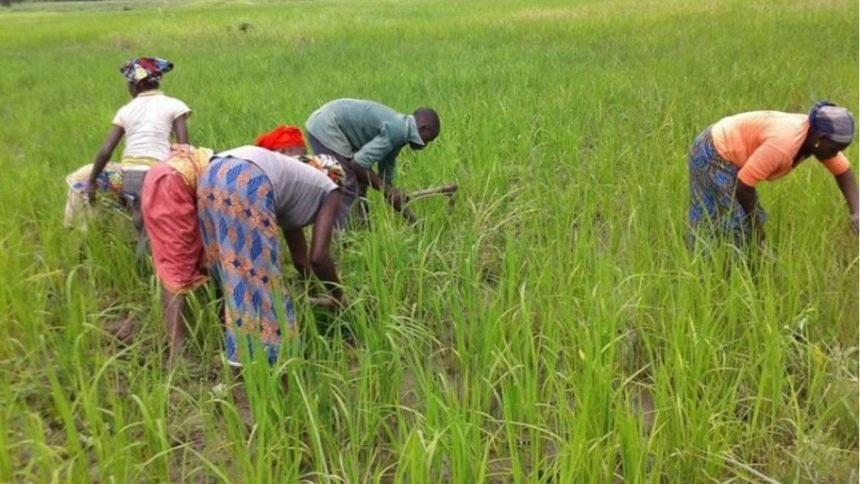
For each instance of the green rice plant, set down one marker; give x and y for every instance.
(550, 326)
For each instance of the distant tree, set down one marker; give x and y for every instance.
(6, 3)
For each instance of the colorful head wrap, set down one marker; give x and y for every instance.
(145, 69)
(281, 137)
(327, 164)
(832, 121)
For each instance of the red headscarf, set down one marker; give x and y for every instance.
(281, 137)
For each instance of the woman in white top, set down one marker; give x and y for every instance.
(146, 122)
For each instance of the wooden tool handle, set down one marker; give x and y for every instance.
(448, 189)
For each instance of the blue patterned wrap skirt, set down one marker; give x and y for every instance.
(714, 212)
(236, 210)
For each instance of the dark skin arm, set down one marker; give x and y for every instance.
(114, 136)
(180, 129)
(848, 186)
(825, 149)
(393, 196)
(299, 252)
(318, 260)
(746, 196)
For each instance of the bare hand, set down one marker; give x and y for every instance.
(410, 217)
(398, 200)
(327, 301)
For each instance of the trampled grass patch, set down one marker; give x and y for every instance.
(550, 327)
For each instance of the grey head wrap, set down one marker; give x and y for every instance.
(832, 121)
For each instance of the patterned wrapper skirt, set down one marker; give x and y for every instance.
(109, 184)
(714, 211)
(236, 211)
(170, 216)
(119, 184)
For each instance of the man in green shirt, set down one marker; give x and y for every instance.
(361, 134)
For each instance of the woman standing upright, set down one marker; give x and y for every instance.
(731, 157)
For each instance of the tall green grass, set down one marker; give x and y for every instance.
(551, 327)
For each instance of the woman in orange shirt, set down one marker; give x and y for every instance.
(732, 156)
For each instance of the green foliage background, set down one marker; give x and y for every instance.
(551, 327)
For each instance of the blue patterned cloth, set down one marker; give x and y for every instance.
(236, 209)
(714, 212)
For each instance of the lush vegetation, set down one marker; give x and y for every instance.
(550, 327)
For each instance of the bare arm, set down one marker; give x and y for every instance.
(180, 129)
(321, 262)
(299, 252)
(746, 196)
(114, 136)
(848, 186)
(367, 175)
(393, 196)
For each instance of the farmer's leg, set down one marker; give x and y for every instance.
(172, 306)
(132, 187)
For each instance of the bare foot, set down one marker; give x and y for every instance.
(123, 330)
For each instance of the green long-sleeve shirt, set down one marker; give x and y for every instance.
(366, 131)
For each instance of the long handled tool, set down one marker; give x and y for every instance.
(449, 190)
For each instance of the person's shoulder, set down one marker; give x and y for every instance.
(247, 152)
(123, 109)
(791, 127)
(173, 102)
(310, 173)
(269, 157)
(774, 118)
(319, 179)
(171, 99)
(129, 105)
(119, 119)
(783, 117)
(385, 110)
(339, 104)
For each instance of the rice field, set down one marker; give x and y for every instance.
(551, 326)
